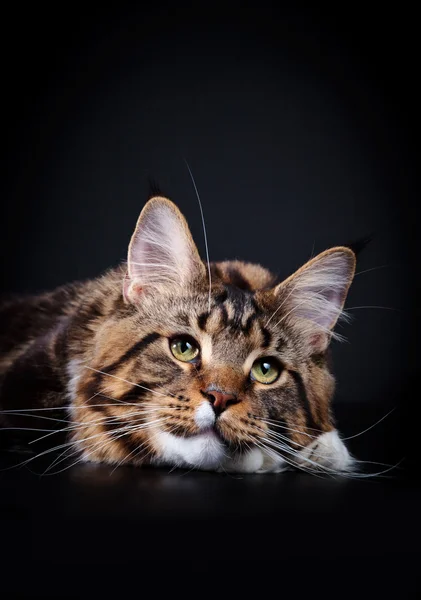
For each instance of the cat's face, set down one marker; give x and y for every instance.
(231, 376)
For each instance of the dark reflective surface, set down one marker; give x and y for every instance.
(97, 517)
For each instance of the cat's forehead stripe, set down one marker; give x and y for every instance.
(202, 319)
(267, 337)
(237, 310)
(134, 350)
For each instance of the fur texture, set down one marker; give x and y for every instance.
(93, 360)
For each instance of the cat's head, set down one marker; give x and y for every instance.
(215, 367)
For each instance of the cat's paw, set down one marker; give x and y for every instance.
(254, 461)
(327, 453)
(273, 463)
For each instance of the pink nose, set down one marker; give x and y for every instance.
(221, 400)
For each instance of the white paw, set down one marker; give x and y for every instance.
(272, 464)
(254, 461)
(328, 452)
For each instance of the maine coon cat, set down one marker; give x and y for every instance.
(168, 360)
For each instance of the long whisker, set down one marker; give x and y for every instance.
(73, 423)
(171, 430)
(16, 410)
(271, 452)
(80, 424)
(129, 382)
(107, 442)
(318, 467)
(204, 230)
(371, 426)
(22, 413)
(273, 423)
(137, 451)
(287, 449)
(279, 437)
(378, 307)
(27, 410)
(321, 468)
(23, 429)
(49, 450)
(372, 269)
(125, 430)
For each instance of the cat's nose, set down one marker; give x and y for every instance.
(220, 400)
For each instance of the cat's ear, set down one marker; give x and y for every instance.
(312, 299)
(162, 252)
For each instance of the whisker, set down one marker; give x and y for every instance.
(321, 468)
(83, 424)
(378, 307)
(103, 443)
(269, 450)
(318, 467)
(13, 410)
(49, 450)
(275, 423)
(279, 437)
(24, 414)
(372, 269)
(371, 426)
(141, 445)
(27, 410)
(129, 382)
(204, 230)
(138, 450)
(22, 429)
(56, 460)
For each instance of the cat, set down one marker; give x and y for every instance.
(169, 360)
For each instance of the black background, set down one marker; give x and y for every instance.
(301, 129)
(299, 126)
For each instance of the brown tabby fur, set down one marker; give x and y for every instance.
(86, 349)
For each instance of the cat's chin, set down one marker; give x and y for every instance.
(205, 450)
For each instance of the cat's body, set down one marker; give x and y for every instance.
(148, 364)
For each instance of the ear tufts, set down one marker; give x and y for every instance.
(154, 188)
(358, 245)
(162, 253)
(312, 298)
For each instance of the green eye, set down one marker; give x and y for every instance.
(265, 370)
(184, 349)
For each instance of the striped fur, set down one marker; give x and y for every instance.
(96, 355)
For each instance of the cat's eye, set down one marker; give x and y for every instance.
(184, 349)
(265, 370)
